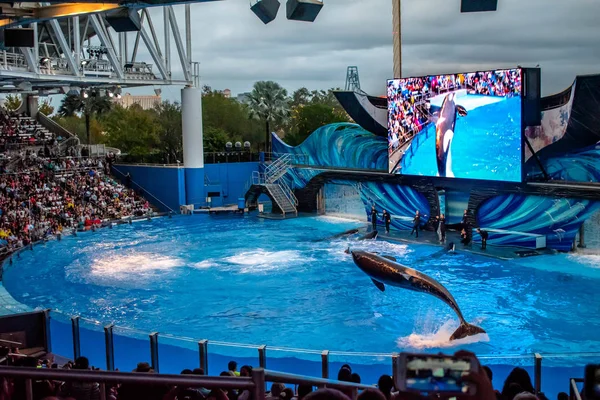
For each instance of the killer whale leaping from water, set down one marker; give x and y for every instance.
(385, 270)
(444, 133)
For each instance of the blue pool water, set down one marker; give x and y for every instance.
(486, 145)
(248, 280)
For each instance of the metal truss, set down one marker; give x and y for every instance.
(84, 51)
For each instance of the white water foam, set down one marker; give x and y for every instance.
(206, 264)
(439, 339)
(339, 220)
(590, 260)
(261, 260)
(139, 264)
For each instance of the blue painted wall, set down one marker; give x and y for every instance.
(234, 179)
(165, 183)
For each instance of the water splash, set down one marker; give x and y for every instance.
(260, 260)
(141, 264)
(439, 339)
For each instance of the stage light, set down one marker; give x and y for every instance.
(303, 10)
(84, 63)
(84, 93)
(109, 93)
(266, 10)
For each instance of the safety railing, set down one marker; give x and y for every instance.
(146, 192)
(205, 347)
(256, 383)
(289, 193)
(574, 393)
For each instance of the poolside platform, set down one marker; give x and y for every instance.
(233, 208)
(279, 216)
(427, 237)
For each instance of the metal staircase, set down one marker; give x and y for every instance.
(271, 180)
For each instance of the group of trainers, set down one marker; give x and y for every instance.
(440, 226)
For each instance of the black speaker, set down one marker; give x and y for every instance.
(266, 10)
(303, 10)
(124, 20)
(18, 37)
(468, 6)
(532, 105)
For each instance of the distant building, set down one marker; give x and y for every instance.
(226, 93)
(146, 102)
(243, 97)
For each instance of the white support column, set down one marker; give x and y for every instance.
(167, 33)
(193, 144)
(76, 41)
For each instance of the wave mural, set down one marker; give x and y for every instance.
(341, 145)
(578, 166)
(557, 219)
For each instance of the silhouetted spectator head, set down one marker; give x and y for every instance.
(81, 363)
(355, 378)
(143, 367)
(345, 374)
(385, 385)
(246, 370)
(227, 373)
(304, 390)
(562, 396)
(198, 371)
(510, 391)
(232, 366)
(371, 394)
(287, 394)
(327, 394)
(520, 377)
(276, 389)
(186, 372)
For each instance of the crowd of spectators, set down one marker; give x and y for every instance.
(42, 196)
(517, 386)
(17, 130)
(408, 108)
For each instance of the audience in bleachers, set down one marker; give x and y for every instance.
(42, 193)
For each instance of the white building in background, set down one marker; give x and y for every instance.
(146, 102)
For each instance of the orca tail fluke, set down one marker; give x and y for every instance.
(465, 330)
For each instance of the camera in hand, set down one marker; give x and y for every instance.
(428, 373)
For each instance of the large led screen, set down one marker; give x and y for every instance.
(464, 125)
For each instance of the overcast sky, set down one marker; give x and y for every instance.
(236, 49)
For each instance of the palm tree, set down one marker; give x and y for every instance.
(95, 104)
(268, 102)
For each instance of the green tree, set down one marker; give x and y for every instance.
(94, 105)
(12, 102)
(268, 102)
(214, 139)
(169, 131)
(132, 130)
(306, 119)
(300, 97)
(45, 108)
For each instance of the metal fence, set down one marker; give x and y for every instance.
(256, 383)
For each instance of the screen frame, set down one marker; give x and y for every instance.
(522, 71)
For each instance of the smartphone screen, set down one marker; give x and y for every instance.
(436, 374)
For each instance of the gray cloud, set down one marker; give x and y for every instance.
(235, 49)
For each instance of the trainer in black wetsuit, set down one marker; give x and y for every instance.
(387, 218)
(484, 237)
(464, 238)
(441, 228)
(416, 222)
(374, 218)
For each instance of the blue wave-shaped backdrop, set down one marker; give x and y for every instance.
(579, 166)
(345, 145)
(557, 219)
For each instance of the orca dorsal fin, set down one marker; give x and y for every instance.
(461, 110)
(391, 258)
(379, 285)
